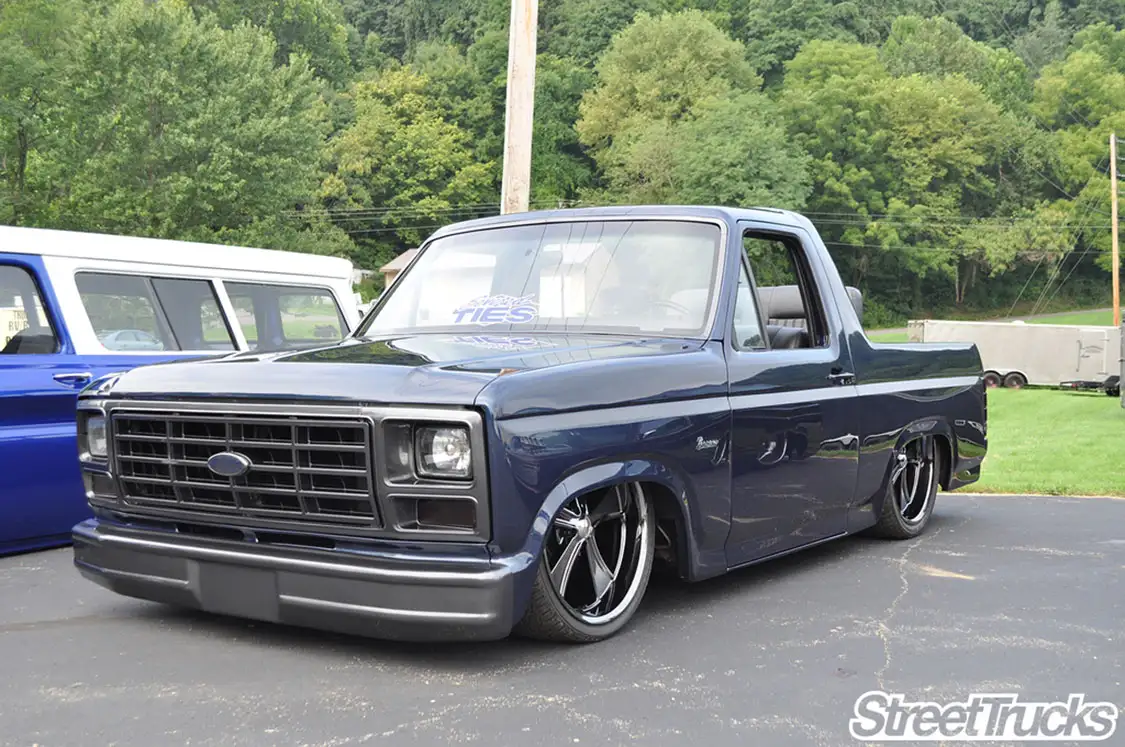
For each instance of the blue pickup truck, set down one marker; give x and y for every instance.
(540, 409)
(75, 306)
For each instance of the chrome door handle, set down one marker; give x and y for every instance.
(74, 380)
(845, 377)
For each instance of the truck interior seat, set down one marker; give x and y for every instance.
(783, 303)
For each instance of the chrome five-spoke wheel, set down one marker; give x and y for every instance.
(914, 478)
(911, 488)
(596, 561)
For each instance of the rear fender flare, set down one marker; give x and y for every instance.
(935, 426)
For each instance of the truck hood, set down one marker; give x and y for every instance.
(420, 369)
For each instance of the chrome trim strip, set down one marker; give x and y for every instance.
(175, 583)
(386, 613)
(915, 385)
(288, 562)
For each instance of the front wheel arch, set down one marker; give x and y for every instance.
(669, 488)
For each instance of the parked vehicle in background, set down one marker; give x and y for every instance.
(130, 339)
(74, 306)
(538, 409)
(1015, 354)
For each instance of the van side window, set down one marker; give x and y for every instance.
(275, 315)
(132, 312)
(786, 291)
(24, 326)
(193, 312)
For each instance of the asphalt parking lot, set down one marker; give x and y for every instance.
(1003, 594)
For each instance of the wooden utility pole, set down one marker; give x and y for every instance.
(1116, 263)
(515, 190)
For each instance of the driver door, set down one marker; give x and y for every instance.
(794, 444)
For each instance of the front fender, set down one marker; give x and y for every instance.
(594, 477)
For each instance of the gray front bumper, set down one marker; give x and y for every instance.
(373, 596)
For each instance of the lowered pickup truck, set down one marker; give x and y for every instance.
(539, 409)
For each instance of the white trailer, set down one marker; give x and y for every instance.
(1015, 354)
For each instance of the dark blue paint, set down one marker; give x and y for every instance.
(41, 493)
(566, 414)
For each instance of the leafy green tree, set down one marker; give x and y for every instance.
(897, 160)
(34, 37)
(1082, 97)
(177, 128)
(582, 29)
(403, 163)
(732, 151)
(937, 46)
(560, 168)
(313, 28)
(1047, 38)
(659, 68)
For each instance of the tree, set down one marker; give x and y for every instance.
(897, 160)
(312, 28)
(732, 151)
(937, 46)
(403, 163)
(34, 36)
(177, 128)
(659, 68)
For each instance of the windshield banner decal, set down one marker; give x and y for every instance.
(497, 310)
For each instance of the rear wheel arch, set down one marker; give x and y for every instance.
(945, 448)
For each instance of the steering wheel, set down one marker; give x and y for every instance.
(674, 306)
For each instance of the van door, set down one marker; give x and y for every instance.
(135, 320)
(41, 494)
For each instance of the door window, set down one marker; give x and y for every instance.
(786, 292)
(24, 326)
(276, 316)
(137, 313)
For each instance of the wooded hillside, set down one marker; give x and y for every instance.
(953, 153)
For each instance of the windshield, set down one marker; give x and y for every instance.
(631, 277)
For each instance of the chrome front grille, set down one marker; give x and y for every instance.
(304, 468)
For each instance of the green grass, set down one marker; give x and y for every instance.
(883, 336)
(1053, 442)
(1096, 318)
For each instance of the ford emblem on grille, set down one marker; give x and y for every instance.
(229, 464)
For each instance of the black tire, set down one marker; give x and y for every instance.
(895, 522)
(1015, 380)
(550, 617)
(992, 380)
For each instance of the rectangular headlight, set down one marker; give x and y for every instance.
(96, 436)
(443, 452)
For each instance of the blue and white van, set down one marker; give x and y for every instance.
(75, 306)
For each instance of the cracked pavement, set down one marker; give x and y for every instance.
(1001, 594)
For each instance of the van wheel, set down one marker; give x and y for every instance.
(1015, 380)
(992, 379)
(911, 490)
(594, 569)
